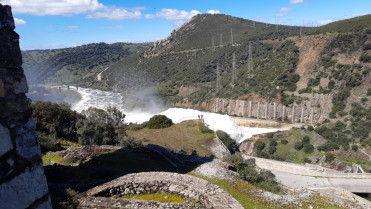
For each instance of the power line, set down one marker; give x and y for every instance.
(221, 40)
(212, 45)
(231, 37)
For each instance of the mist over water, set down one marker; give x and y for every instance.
(141, 107)
(104, 99)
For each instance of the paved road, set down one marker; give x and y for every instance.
(299, 176)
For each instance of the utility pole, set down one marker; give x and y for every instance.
(221, 40)
(218, 87)
(234, 73)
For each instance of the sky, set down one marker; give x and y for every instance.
(49, 24)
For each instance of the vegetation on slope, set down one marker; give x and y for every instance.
(70, 65)
(359, 24)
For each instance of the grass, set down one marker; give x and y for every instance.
(250, 196)
(356, 161)
(287, 152)
(185, 135)
(165, 197)
(51, 159)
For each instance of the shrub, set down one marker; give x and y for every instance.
(310, 128)
(259, 145)
(270, 135)
(369, 92)
(204, 128)
(328, 146)
(227, 141)
(298, 146)
(354, 147)
(284, 141)
(305, 140)
(306, 160)
(132, 142)
(308, 148)
(365, 58)
(329, 157)
(272, 150)
(159, 121)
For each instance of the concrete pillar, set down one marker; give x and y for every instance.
(258, 113)
(293, 114)
(77, 87)
(283, 113)
(274, 111)
(243, 108)
(223, 107)
(312, 116)
(250, 108)
(68, 87)
(266, 111)
(302, 114)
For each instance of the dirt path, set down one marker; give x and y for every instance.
(310, 48)
(99, 76)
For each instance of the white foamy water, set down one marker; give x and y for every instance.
(104, 99)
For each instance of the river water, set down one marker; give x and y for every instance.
(104, 99)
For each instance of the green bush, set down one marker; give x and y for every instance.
(132, 142)
(284, 141)
(310, 128)
(369, 92)
(355, 147)
(365, 58)
(329, 157)
(204, 128)
(306, 140)
(259, 145)
(227, 141)
(270, 135)
(159, 121)
(308, 148)
(298, 146)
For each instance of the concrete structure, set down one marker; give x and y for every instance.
(315, 177)
(265, 110)
(22, 180)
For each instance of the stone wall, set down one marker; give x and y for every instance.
(22, 180)
(304, 113)
(186, 186)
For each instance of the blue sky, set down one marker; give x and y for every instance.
(47, 24)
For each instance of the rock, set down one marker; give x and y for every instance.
(6, 141)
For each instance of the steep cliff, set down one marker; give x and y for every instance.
(22, 180)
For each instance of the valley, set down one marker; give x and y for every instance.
(301, 95)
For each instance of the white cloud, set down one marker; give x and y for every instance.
(324, 22)
(296, 1)
(285, 10)
(53, 7)
(279, 15)
(211, 11)
(113, 13)
(19, 21)
(177, 16)
(72, 27)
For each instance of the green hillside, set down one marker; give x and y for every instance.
(70, 65)
(360, 24)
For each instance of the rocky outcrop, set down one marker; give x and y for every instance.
(22, 180)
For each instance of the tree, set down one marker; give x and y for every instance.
(159, 121)
(55, 119)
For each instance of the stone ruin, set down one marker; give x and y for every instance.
(22, 180)
(188, 187)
